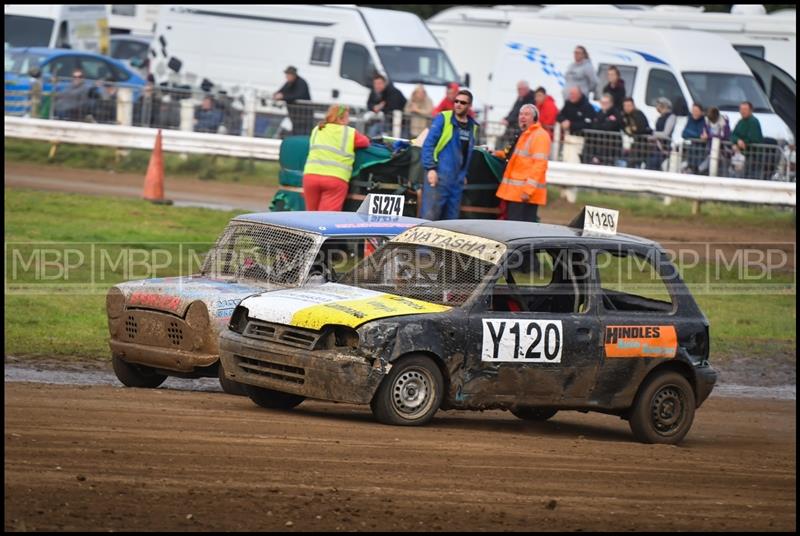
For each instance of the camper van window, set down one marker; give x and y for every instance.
(414, 65)
(753, 50)
(356, 64)
(322, 51)
(126, 10)
(726, 91)
(28, 31)
(626, 72)
(662, 83)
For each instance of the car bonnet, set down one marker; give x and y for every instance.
(333, 303)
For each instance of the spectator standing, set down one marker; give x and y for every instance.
(147, 106)
(634, 124)
(580, 73)
(420, 107)
(615, 87)
(72, 103)
(385, 98)
(693, 133)
(296, 89)
(716, 127)
(662, 134)
(329, 165)
(106, 103)
(447, 102)
(446, 154)
(548, 111)
(524, 96)
(207, 118)
(523, 186)
(577, 113)
(747, 132)
(603, 147)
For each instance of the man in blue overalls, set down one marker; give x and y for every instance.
(446, 155)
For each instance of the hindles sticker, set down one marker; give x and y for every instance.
(641, 341)
(521, 341)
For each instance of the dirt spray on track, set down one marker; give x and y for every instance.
(106, 458)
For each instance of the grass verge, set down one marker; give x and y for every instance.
(216, 168)
(66, 318)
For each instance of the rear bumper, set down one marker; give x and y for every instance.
(706, 379)
(163, 358)
(322, 374)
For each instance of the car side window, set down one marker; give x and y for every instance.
(631, 281)
(95, 69)
(60, 67)
(543, 280)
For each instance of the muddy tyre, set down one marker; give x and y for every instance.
(267, 398)
(663, 410)
(132, 375)
(229, 386)
(534, 414)
(410, 394)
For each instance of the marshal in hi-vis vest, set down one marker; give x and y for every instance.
(526, 170)
(332, 151)
(447, 134)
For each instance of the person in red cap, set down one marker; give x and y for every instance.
(448, 101)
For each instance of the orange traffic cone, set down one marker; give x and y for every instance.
(154, 180)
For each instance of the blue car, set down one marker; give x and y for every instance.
(170, 326)
(60, 63)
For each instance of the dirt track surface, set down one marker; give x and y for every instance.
(106, 458)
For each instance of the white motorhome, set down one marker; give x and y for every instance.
(471, 36)
(748, 28)
(335, 48)
(81, 27)
(684, 66)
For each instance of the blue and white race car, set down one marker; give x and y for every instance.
(170, 326)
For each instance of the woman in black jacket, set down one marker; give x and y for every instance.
(615, 87)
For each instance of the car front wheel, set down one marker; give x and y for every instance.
(267, 398)
(132, 375)
(410, 394)
(663, 410)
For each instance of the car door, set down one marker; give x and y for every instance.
(637, 312)
(535, 339)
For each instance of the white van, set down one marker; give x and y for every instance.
(748, 28)
(335, 48)
(81, 27)
(684, 66)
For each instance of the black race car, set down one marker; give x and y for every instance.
(477, 315)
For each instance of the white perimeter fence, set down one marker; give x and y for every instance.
(681, 185)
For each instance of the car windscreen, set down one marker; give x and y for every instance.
(431, 274)
(24, 31)
(22, 62)
(266, 253)
(726, 91)
(416, 65)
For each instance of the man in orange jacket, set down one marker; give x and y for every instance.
(523, 186)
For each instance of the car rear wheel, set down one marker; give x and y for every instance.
(534, 414)
(267, 398)
(132, 375)
(410, 394)
(663, 410)
(229, 386)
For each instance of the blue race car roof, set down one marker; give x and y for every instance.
(334, 223)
